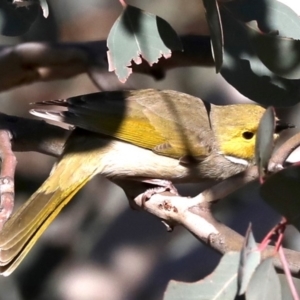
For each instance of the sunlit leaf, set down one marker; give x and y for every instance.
(250, 259)
(45, 8)
(137, 34)
(242, 66)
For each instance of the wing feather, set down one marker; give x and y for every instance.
(146, 118)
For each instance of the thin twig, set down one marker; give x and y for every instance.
(32, 62)
(7, 175)
(283, 152)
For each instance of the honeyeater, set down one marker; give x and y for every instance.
(132, 137)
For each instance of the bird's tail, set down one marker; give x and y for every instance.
(23, 229)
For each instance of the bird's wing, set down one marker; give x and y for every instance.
(167, 122)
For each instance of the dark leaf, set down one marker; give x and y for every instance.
(215, 29)
(17, 20)
(282, 192)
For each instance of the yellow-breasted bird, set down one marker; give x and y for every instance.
(132, 136)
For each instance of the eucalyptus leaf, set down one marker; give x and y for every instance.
(271, 15)
(285, 289)
(264, 284)
(250, 259)
(282, 192)
(264, 143)
(45, 8)
(242, 66)
(272, 51)
(215, 29)
(137, 34)
(220, 285)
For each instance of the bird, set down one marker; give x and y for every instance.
(148, 136)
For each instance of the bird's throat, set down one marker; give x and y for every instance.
(236, 160)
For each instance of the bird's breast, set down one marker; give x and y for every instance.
(124, 160)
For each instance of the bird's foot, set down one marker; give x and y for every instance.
(140, 189)
(161, 186)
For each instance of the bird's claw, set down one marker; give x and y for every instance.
(163, 186)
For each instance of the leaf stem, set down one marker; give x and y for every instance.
(123, 3)
(288, 273)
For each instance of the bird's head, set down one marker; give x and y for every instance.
(235, 127)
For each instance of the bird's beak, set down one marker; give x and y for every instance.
(280, 126)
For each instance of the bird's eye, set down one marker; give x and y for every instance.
(248, 135)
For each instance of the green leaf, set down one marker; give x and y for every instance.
(264, 143)
(250, 259)
(264, 284)
(271, 15)
(215, 29)
(137, 34)
(242, 67)
(282, 192)
(285, 289)
(272, 49)
(220, 285)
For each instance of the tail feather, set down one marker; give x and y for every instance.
(23, 229)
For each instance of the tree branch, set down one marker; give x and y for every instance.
(7, 174)
(34, 135)
(31, 62)
(280, 156)
(195, 213)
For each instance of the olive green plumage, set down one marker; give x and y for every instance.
(132, 135)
